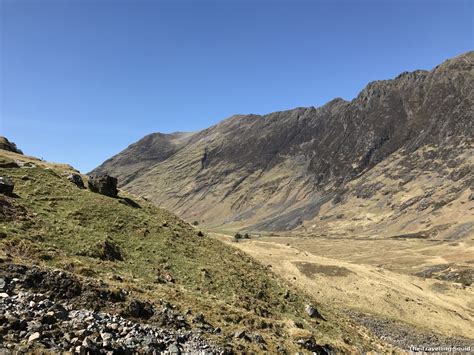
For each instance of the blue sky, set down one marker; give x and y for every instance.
(81, 80)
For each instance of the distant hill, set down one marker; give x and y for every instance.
(283, 171)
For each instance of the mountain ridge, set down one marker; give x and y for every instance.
(252, 168)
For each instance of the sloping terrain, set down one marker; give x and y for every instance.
(403, 309)
(425, 194)
(139, 157)
(274, 172)
(76, 252)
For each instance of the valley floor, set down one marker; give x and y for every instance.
(373, 282)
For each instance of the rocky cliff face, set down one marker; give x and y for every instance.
(275, 171)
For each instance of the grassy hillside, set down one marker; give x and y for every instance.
(51, 222)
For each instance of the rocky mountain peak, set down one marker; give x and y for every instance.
(274, 171)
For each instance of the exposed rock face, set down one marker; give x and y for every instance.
(274, 172)
(5, 144)
(103, 184)
(76, 179)
(6, 186)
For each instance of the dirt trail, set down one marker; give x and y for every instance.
(431, 305)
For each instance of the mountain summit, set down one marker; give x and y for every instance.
(276, 171)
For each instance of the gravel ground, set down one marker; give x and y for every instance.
(50, 310)
(406, 337)
(30, 320)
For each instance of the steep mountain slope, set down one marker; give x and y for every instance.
(274, 172)
(137, 158)
(428, 194)
(125, 256)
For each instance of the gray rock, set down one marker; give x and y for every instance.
(103, 184)
(76, 179)
(25, 164)
(140, 309)
(34, 337)
(174, 349)
(199, 318)
(34, 326)
(241, 334)
(114, 326)
(312, 312)
(9, 164)
(258, 339)
(6, 186)
(106, 336)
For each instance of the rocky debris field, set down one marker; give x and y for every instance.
(52, 321)
(404, 337)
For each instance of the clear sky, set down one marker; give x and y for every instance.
(80, 80)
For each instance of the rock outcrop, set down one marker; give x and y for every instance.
(76, 179)
(6, 186)
(103, 184)
(5, 144)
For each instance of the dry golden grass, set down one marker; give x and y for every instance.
(337, 278)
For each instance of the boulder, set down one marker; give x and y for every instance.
(199, 318)
(312, 312)
(241, 334)
(34, 336)
(6, 186)
(174, 349)
(76, 179)
(140, 309)
(311, 345)
(108, 250)
(103, 184)
(6, 163)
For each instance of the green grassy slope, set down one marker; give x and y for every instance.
(51, 222)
